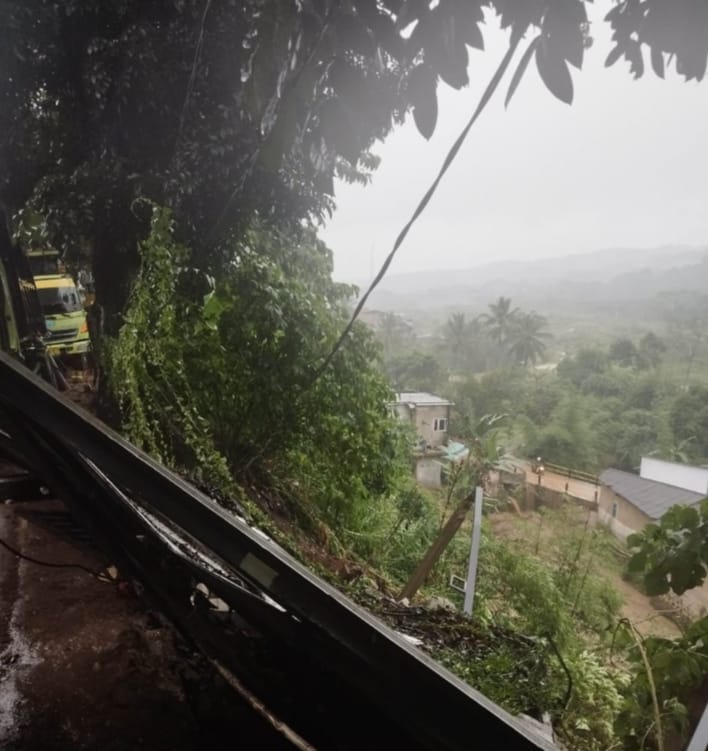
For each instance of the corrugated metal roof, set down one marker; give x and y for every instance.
(421, 398)
(651, 497)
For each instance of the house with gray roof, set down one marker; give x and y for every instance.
(429, 415)
(628, 502)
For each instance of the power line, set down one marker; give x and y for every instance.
(452, 153)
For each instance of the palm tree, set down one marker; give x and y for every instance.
(526, 338)
(500, 319)
(392, 330)
(455, 334)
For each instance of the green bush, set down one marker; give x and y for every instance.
(216, 375)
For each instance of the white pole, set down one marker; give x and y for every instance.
(699, 742)
(474, 550)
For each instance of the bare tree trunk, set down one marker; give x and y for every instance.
(437, 548)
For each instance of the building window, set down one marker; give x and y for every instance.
(440, 423)
(614, 510)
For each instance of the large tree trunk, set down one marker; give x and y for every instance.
(115, 261)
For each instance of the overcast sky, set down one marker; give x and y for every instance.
(625, 166)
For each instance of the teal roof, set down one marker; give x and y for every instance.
(455, 450)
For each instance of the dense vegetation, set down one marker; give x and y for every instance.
(187, 150)
(599, 406)
(203, 390)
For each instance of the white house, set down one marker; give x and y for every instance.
(429, 414)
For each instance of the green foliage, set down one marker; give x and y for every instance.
(215, 375)
(549, 579)
(500, 319)
(689, 418)
(146, 368)
(567, 438)
(585, 363)
(588, 723)
(527, 338)
(227, 111)
(556, 596)
(400, 531)
(591, 412)
(651, 350)
(676, 667)
(673, 554)
(515, 674)
(624, 353)
(414, 372)
(394, 333)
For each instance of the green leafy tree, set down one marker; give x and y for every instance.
(500, 320)
(394, 333)
(651, 350)
(415, 372)
(624, 353)
(588, 361)
(688, 417)
(201, 390)
(636, 436)
(673, 554)
(670, 556)
(527, 338)
(567, 439)
(226, 110)
(456, 334)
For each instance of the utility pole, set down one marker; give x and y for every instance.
(474, 551)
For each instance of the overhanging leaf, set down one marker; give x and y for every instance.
(467, 17)
(614, 56)
(422, 85)
(555, 74)
(657, 61)
(521, 69)
(562, 30)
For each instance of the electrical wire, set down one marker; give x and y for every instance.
(101, 575)
(452, 153)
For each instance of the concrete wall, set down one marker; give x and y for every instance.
(678, 475)
(628, 518)
(428, 472)
(538, 495)
(423, 419)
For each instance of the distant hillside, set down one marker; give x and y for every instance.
(605, 276)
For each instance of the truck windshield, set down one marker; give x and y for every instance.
(44, 264)
(59, 300)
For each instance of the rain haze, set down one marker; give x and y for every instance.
(622, 167)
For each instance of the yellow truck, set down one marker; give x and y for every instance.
(64, 315)
(62, 305)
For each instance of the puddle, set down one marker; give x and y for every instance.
(16, 660)
(17, 657)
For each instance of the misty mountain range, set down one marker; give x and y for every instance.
(600, 277)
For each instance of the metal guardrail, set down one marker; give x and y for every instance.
(573, 474)
(169, 535)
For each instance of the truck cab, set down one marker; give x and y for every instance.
(62, 305)
(64, 315)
